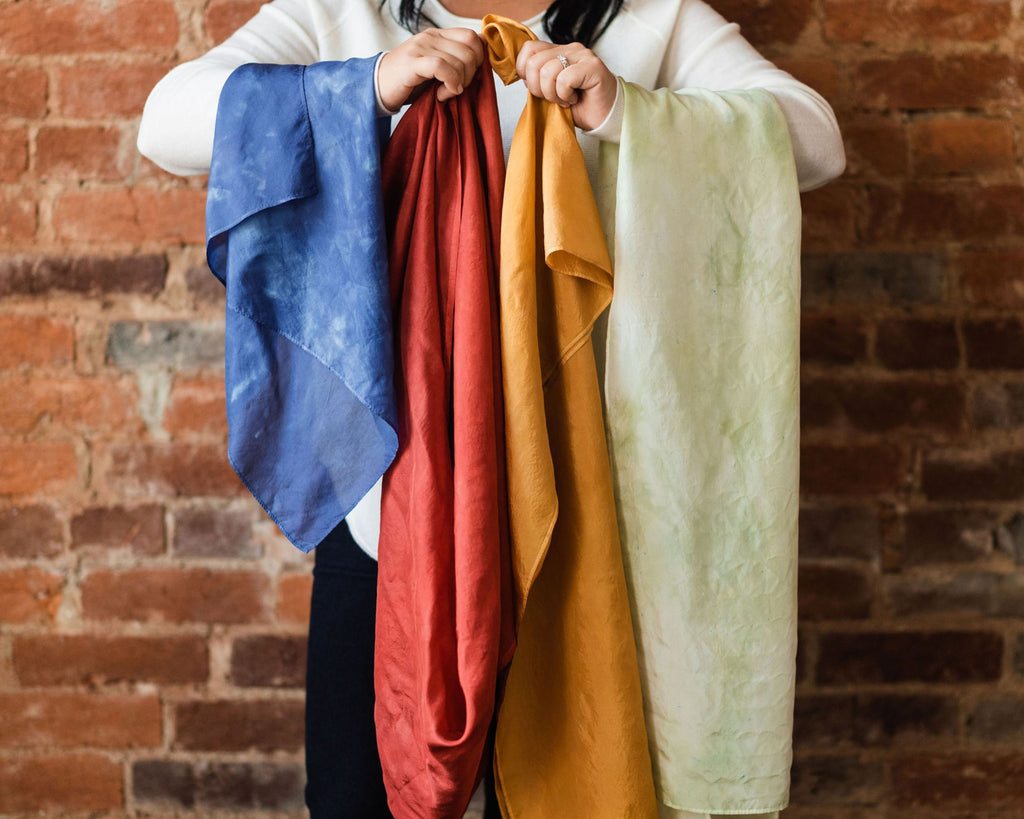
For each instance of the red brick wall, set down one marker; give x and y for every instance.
(152, 622)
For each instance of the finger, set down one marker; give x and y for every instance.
(530, 49)
(441, 67)
(470, 39)
(548, 76)
(574, 80)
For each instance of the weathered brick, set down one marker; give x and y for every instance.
(877, 21)
(840, 531)
(175, 595)
(82, 659)
(925, 81)
(37, 341)
(909, 656)
(946, 536)
(13, 153)
(973, 475)
(875, 145)
(996, 405)
(830, 592)
(224, 785)
(78, 152)
(994, 344)
(841, 780)
(214, 533)
(22, 91)
(177, 344)
(137, 528)
(227, 725)
(17, 217)
(830, 216)
(269, 660)
(197, 405)
(825, 721)
(891, 278)
(131, 215)
(84, 405)
(89, 275)
(821, 73)
(959, 781)
(1018, 655)
(917, 344)
(961, 146)
(149, 469)
(223, 17)
(30, 531)
(293, 595)
(100, 90)
(998, 719)
(67, 27)
(29, 595)
(964, 210)
(60, 784)
(850, 470)
(779, 22)
(832, 339)
(994, 278)
(879, 406)
(204, 285)
(961, 593)
(31, 467)
(32, 720)
(1010, 538)
(164, 781)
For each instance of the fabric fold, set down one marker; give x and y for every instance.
(570, 737)
(701, 388)
(295, 231)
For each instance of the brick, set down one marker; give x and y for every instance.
(921, 344)
(60, 784)
(965, 476)
(131, 215)
(32, 720)
(144, 274)
(832, 340)
(964, 211)
(78, 152)
(998, 719)
(961, 146)
(866, 720)
(930, 21)
(828, 592)
(850, 470)
(224, 17)
(36, 341)
(1018, 656)
(275, 661)
(1010, 538)
(84, 405)
(293, 595)
(994, 278)
(99, 90)
(946, 536)
(13, 153)
(830, 216)
(780, 22)
(887, 278)
(175, 595)
(66, 27)
(975, 593)
(868, 405)
(997, 405)
(29, 595)
(177, 344)
(967, 781)
(224, 785)
(840, 531)
(197, 405)
(26, 468)
(925, 81)
(17, 218)
(151, 469)
(876, 145)
(843, 780)
(265, 725)
(139, 529)
(994, 344)
(909, 656)
(214, 533)
(30, 531)
(83, 659)
(204, 285)
(823, 75)
(22, 91)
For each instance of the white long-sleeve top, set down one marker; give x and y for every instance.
(672, 44)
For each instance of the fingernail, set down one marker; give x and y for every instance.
(458, 90)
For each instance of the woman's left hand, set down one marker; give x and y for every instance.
(586, 85)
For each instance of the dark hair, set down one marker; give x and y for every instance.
(565, 21)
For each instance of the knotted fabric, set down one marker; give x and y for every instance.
(444, 601)
(295, 231)
(701, 387)
(570, 737)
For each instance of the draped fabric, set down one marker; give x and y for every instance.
(295, 231)
(701, 387)
(570, 736)
(444, 603)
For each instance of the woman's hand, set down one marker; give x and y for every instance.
(586, 85)
(450, 56)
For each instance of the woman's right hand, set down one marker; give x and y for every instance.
(450, 56)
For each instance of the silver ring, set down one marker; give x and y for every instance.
(563, 61)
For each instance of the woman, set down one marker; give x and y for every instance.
(674, 44)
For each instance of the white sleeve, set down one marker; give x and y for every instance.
(176, 131)
(706, 51)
